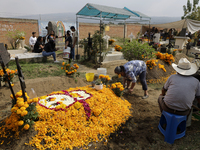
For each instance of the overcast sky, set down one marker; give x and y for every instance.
(169, 8)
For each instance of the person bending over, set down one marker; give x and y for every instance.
(130, 71)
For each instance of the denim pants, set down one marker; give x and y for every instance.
(142, 77)
(72, 52)
(44, 53)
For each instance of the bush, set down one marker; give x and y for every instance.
(137, 51)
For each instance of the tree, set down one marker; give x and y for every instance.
(191, 11)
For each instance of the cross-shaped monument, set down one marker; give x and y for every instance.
(106, 37)
(131, 36)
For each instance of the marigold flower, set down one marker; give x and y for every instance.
(26, 127)
(20, 123)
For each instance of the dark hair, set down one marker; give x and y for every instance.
(39, 38)
(72, 27)
(68, 32)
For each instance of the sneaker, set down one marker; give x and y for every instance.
(146, 96)
(56, 61)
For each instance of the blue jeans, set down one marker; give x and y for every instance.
(72, 52)
(44, 53)
(142, 77)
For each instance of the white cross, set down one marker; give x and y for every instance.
(106, 37)
(131, 36)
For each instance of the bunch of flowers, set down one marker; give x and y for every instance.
(111, 41)
(151, 63)
(23, 115)
(165, 57)
(21, 35)
(174, 52)
(69, 69)
(117, 88)
(104, 78)
(10, 73)
(156, 45)
(118, 48)
(162, 67)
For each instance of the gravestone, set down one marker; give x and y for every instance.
(4, 60)
(52, 26)
(4, 55)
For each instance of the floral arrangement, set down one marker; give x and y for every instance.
(165, 57)
(22, 117)
(118, 48)
(69, 69)
(10, 73)
(111, 41)
(151, 63)
(174, 52)
(58, 129)
(105, 79)
(156, 45)
(117, 88)
(21, 35)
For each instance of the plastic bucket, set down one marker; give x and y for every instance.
(89, 77)
(101, 71)
(66, 53)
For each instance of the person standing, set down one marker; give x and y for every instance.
(130, 71)
(32, 41)
(74, 40)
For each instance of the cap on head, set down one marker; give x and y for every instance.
(118, 70)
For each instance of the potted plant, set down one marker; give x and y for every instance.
(98, 85)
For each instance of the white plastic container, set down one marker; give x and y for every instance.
(66, 53)
(101, 71)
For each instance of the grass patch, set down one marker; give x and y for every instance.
(38, 70)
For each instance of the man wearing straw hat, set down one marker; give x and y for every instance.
(180, 89)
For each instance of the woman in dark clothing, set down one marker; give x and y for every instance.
(50, 49)
(38, 47)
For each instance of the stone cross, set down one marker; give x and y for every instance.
(106, 37)
(131, 36)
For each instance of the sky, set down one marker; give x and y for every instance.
(165, 8)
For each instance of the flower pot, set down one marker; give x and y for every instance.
(98, 87)
(22, 43)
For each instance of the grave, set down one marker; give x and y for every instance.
(114, 56)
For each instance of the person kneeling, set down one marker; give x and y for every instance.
(50, 49)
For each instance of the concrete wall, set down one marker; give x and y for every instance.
(114, 30)
(12, 24)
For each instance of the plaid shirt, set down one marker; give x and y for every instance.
(134, 68)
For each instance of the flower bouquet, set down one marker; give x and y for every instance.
(105, 79)
(10, 73)
(118, 48)
(117, 88)
(70, 70)
(111, 41)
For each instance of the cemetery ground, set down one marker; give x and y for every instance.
(139, 132)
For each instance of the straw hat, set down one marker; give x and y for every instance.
(184, 67)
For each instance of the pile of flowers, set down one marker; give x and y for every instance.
(11, 74)
(111, 41)
(151, 63)
(165, 57)
(117, 88)
(69, 69)
(118, 48)
(71, 127)
(22, 117)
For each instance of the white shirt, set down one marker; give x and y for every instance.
(32, 40)
(75, 34)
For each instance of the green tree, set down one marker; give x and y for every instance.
(191, 11)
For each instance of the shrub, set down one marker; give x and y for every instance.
(137, 51)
